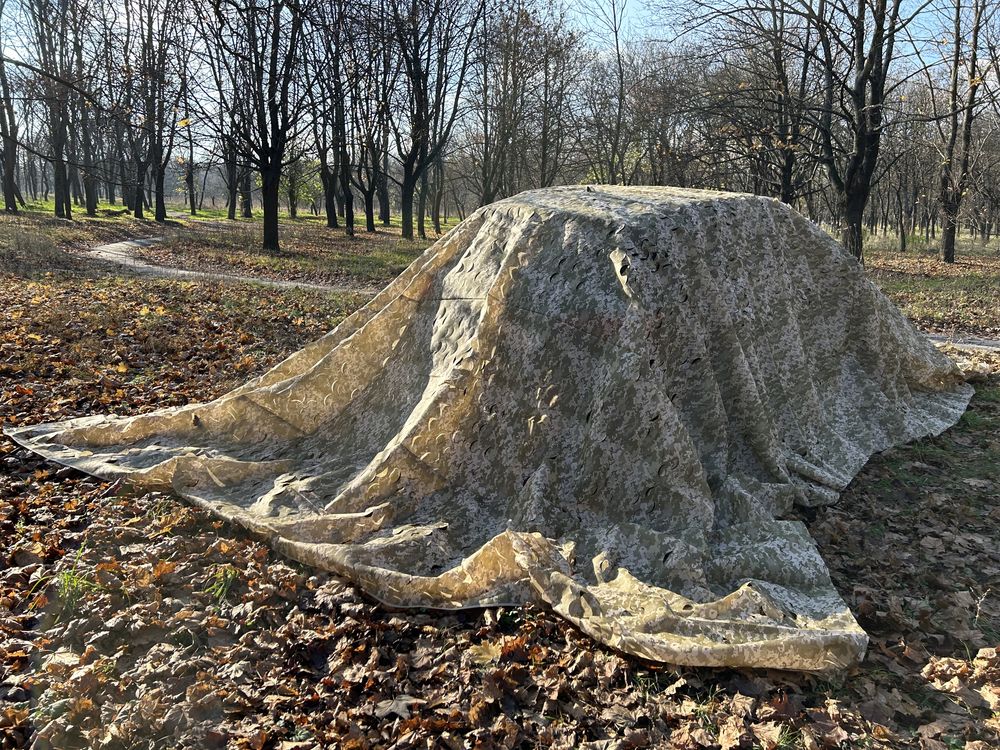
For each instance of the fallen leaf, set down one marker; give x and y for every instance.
(400, 706)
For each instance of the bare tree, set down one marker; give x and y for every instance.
(330, 107)
(8, 133)
(961, 107)
(606, 96)
(257, 47)
(376, 70)
(434, 40)
(49, 22)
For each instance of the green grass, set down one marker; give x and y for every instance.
(221, 583)
(961, 297)
(72, 586)
(916, 243)
(310, 251)
(989, 394)
(30, 244)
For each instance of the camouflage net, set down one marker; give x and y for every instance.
(602, 398)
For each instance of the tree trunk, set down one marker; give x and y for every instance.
(347, 196)
(64, 205)
(437, 196)
(422, 206)
(189, 181)
(89, 180)
(128, 194)
(406, 190)
(9, 165)
(246, 195)
(348, 206)
(787, 191)
(9, 133)
(901, 223)
(369, 210)
(140, 179)
(949, 225)
(32, 179)
(383, 199)
(160, 213)
(292, 192)
(270, 194)
(852, 231)
(75, 187)
(232, 188)
(329, 195)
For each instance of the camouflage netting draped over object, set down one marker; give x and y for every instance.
(601, 398)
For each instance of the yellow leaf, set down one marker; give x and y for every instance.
(163, 567)
(485, 653)
(122, 367)
(144, 310)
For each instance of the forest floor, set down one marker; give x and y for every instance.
(959, 297)
(136, 621)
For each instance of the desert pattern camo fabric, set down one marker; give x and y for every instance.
(606, 399)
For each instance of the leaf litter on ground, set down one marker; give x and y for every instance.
(136, 621)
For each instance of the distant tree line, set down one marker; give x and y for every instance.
(868, 115)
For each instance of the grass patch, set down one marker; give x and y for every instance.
(311, 252)
(72, 586)
(30, 254)
(79, 232)
(960, 297)
(221, 583)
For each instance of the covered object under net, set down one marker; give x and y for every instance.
(604, 399)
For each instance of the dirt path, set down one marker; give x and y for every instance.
(123, 254)
(968, 342)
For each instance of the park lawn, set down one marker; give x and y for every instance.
(962, 297)
(310, 252)
(37, 235)
(133, 618)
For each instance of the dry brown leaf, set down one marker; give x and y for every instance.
(768, 734)
(484, 653)
(732, 733)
